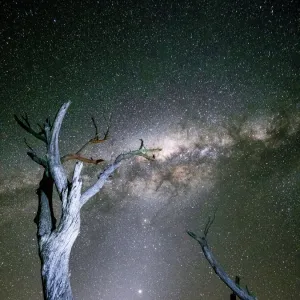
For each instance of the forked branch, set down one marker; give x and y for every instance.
(53, 161)
(95, 140)
(32, 154)
(208, 224)
(94, 189)
(24, 123)
(44, 134)
(240, 292)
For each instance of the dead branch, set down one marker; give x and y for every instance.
(55, 167)
(28, 146)
(32, 154)
(81, 158)
(26, 125)
(142, 151)
(95, 140)
(208, 224)
(44, 135)
(37, 159)
(236, 289)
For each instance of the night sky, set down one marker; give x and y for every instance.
(216, 84)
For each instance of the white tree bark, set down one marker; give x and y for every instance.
(56, 242)
(240, 292)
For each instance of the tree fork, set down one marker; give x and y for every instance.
(55, 242)
(234, 286)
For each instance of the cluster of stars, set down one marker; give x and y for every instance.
(215, 86)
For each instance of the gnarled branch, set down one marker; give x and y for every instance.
(26, 125)
(95, 140)
(240, 292)
(45, 134)
(32, 154)
(81, 158)
(37, 159)
(94, 189)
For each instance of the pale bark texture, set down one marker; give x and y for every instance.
(55, 241)
(243, 294)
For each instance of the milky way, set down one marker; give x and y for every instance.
(215, 84)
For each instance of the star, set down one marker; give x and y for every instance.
(217, 88)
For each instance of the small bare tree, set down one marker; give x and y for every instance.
(243, 294)
(55, 241)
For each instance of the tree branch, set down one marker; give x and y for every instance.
(94, 140)
(208, 224)
(72, 205)
(240, 292)
(55, 167)
(32, 154)
(37, 159)
(142, 151)
(94, 189)
(26, 125)
(81, 158)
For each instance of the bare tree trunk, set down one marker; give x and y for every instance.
(55, 248)
(55, 243)
(55, 272)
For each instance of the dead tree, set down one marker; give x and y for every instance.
(234, 286)
(55, 241)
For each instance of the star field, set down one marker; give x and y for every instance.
(216, 85)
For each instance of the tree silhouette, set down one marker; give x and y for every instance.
(55, 241)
